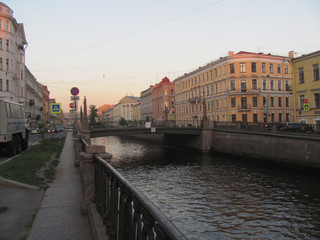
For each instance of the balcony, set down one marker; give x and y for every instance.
(244, 107)
(194, 99)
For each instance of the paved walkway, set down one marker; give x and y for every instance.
(59, 216)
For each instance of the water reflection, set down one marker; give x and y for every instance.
(220, 198)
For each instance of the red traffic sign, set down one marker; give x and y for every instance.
(71, 105)
(74, 91)
(306, 101)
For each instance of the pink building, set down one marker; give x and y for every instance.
(163, 101)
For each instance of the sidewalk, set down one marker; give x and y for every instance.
(59, 217)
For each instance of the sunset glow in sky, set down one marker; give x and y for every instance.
(109, 49)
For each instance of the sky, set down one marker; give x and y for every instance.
(110, 49)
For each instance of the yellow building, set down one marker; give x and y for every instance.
(136, 112)
(193, 90)
(306, 88)
(247, 87)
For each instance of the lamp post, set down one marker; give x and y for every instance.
(204, 117)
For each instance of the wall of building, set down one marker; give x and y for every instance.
(308, 90)
(240, 87)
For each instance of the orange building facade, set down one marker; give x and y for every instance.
(104, 108)
(163, 101)
(247, 87)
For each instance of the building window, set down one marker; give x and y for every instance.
(233, 102)
(264, 67)
(287, 117)
(0, 43)
(0, 24)
(301, 97)
(255, 102)
(264, 84)
(253, 67)
(0, 84)
(0, 63)
(272, 101)
(279, 85)
(272, 85)
(7, 64)
(254, 84)
(272, 117)
(7, 85)
(286, 69)
(215, 72)
(287, 86)
(231, 68)
(21, 91)
(315, 72)
(279, 68)
(301, 75)
(271, 68)
(7, 26)
(243, 85)
(7, 45)
(244, 103)
(244, 118)
(280, 101)
(280, 117)
(242, 67)
(264, 101)
(232, 85)
(172, 104)
(287, 101)
(255, 117)
(234, 118)
(317, 100)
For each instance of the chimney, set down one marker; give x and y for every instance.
(291, 54)
(230, 53)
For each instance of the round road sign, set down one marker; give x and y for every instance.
(306, 101)
(71, 105)
(74, 91)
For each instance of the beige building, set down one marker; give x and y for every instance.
(12, 56)
(33, 100)
(124, 109)
(247, 87)
(137, 112)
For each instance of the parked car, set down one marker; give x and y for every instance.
(69, 128)
(58, 129)
(297, 127)
(51, 130)
(34, 130)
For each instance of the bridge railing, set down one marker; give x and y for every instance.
(126, 212)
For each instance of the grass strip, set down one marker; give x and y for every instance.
(36, 166)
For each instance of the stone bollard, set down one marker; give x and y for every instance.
(77, 150)
(88, 174)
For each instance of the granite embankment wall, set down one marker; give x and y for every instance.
(293, 149)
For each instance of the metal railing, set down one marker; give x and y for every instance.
(127, 213)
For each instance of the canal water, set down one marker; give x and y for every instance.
(214, 197)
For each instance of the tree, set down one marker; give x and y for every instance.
(93, 113)
(122, 122)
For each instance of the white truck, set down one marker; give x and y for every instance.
(13, 131)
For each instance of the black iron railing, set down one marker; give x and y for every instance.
(127, 213)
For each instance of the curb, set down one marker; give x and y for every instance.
(97, 227)
(11, 183)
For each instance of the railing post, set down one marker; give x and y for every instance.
(88, 174)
